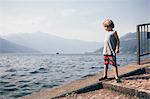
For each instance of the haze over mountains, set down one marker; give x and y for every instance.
(46, 43)
(39, 42)
(9, 47)
(127, 44)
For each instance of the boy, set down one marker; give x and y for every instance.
(111, 47)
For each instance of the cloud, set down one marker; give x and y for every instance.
(68, 12)
(10, 24)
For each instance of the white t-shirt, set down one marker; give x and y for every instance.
(110, 43)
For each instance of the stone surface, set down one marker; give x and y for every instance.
(138, 82)
(99, 94)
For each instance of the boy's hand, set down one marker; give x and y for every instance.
(117, 50)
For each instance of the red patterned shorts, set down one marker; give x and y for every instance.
(110, 59)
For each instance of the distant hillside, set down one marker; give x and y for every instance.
(127, 44)
(9, 47)
(47, 43)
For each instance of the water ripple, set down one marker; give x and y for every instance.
(23, 74)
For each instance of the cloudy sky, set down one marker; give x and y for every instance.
(73, 19)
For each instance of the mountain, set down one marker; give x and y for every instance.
(127, 44)
(9, 47)
(47, 43)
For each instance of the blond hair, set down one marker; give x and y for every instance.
(108, 23)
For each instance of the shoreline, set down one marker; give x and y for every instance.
(132, 87)
(82, 83)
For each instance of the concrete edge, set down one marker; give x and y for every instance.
(99, 85)
(134, 72)
(129, 91)
(147, 70)
(89, 88)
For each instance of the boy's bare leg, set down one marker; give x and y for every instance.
(115, 69)
(105, 71)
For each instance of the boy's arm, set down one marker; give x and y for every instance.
(118, 42)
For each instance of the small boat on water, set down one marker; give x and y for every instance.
(57, 53)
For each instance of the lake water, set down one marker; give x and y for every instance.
(23, 74)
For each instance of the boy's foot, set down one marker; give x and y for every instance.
(103, 78)
(118, 80)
